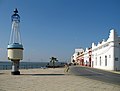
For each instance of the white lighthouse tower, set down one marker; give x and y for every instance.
(15, 47)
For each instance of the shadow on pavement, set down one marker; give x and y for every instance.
(89, 75)
(44, 74)
(1, 73)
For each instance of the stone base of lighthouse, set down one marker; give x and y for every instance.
(15, 67)
(15, 73)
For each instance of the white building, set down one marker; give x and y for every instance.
(75, 55)
(87, 57)
(106, 54)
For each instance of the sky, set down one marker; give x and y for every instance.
(56, 27)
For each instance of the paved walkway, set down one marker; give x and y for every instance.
(51, 80)
(96, 74)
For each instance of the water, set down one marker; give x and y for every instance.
(23, 65)
(28, 65)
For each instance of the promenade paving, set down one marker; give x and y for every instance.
(96, 74)
(51, 80)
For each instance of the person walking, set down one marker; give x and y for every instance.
(66, 68)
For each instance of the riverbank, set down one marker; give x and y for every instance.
(50, 80)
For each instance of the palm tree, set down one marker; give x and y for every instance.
(53, 60)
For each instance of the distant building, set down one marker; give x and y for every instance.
(80, 58)
(87, 57)
(104, 55)
(75, 55)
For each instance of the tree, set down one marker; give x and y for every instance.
(53, 60)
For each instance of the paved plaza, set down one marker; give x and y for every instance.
(51, 80)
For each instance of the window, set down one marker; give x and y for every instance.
(73, 60)
(116, 59)
(96, 61)
(105, 60)
(109, 56)
(78, 53)
(100, 61)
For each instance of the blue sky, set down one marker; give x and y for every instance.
(56, 27)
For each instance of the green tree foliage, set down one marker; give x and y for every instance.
(53, 60)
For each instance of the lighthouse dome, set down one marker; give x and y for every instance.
(15, 46)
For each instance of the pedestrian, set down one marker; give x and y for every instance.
(66, 68)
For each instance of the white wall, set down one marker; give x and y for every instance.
(86, 56)
(107, 50)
